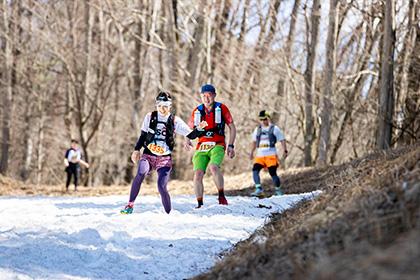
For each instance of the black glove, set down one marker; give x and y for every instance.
(196, 133)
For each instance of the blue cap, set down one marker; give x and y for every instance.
(208, 88)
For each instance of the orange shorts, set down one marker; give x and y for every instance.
(267, 161)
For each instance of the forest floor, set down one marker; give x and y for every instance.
(364, 225)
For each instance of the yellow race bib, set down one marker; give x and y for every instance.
(157, 150)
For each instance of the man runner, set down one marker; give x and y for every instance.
(211, 146)
(264, 140)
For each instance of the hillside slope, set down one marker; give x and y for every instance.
(365, 225)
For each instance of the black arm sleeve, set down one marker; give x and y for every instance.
(196, 133)
(141, 141)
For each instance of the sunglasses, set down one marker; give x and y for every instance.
(263, 119)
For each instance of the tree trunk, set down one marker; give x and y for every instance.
(173, 78)
(7, 97)
(137, 90)
(292, 29)
(354, 91)
(263, 48)
(410, 132)
(175, 17)
(329, 84)
(221, 37)
(406, 88)
(273, 27)
(310, 82)
(386, 83)
(406, 55)
(244, 24)
(162, 35)
(41, 134)
(196, 48)
(86, 92)
(30, 91)
(283, 83)
(28, 143)
(137, 77)
(11, 27)
(172, 52)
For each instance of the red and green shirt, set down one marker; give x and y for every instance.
(209, 118)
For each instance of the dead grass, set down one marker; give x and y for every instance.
(370, 207)
(240, 184)
(13, 187)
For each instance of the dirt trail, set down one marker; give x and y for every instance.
(365, 224)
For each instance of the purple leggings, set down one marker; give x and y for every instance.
(145, 165)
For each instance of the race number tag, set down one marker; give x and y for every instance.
(206, 146)
(157, 150)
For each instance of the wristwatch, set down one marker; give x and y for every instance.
(231, 146)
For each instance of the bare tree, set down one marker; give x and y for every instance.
(356, 86)
(386, 87)
(6, 81)
(41, 136)
(410, 128)
(220, 36)
(28, 86)
(310, 82)
(138, 61)
(98, 64)
(329, 82)
(407, 84)
(196, 47)
(173, 73)
(11, 21)
(403, 64)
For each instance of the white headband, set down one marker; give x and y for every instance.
(164, 103)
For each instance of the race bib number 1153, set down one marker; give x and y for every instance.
(206, 146)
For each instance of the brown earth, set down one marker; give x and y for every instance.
(365, 225)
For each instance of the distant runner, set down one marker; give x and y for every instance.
(158, 140)
(72, 161)
(264, 140)
(211, 146)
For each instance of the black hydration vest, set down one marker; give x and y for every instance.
(220, 127)
(170, 127)
(272, 138)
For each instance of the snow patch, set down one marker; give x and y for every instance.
(87, 238)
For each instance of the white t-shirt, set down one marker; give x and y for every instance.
(264, 149)
(180, 127)
(74, 156)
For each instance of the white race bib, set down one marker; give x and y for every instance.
(206, 146)
(264, 146)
